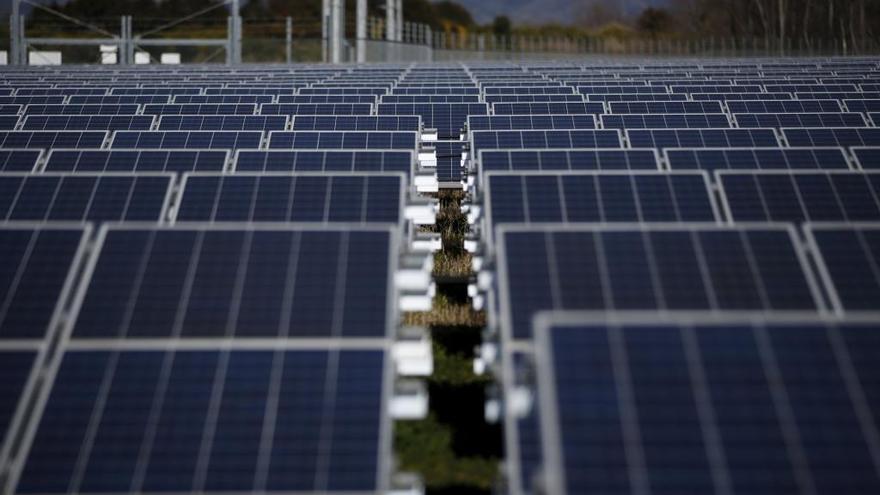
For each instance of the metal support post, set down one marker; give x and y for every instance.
(390, 20)
(14, 35)
(337, 31)
(288, 40)
(398, 11)
(361, 31)
(325, 30)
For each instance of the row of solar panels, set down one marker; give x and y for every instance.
(197, 358)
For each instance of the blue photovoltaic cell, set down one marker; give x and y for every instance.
(532, 90)
(801, 196)
(18, 160)
(670, 268)
(867, 158)
(10, 109)
(449, 160)
(224, 99)
(733, 400)
(641, 89)
(833, 137)
(238, 283)
(850, 255)
(585, 159)
(291, 198)
(542, 98)
(559, 108)
(88, 123)
(638, 97)
(52, 139)
(676, 107)
(156, 91)
(598, 197)
(34, 267)
(784, 106)
(325, 161)
(863, 106)
(74, 198)
(725, 97)
(485, 140)
(352, 140)
(529, 122)
(211, 421)
(187, 139)
(200, 109)
(8, 122)
(665, 121)
(136, 161)
(222, 123)
(15, 367)
(119, 100)
(779, 120)
(702, 138)
(447, 118)
(81, 109)
(356, 123)
(370, 99)
(31, 100)
(425, 98)
(316, 109)
(756, 159)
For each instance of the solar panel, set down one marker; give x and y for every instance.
(668, 267)
(37, 272)
(666, 121)
(357, 123)
(449, 158)
(159, 283)
(484, 140)
(22, 160)
(779, 120)
(52, 139)
(433, 98)
(31, 100)
(541, 98)
(867, 158)
(702, 138)
(224, 99)
(348, 198)
(800, 196)
(119, 100)
(324, 161)
(638, 97)
(316, 109)
(8, 122)
(711, 159)
(186, 139)
(863, 106)
(676, 107)
(10, 109)
(841, 136)
(200, 109)
(535, 90)
(569, 108)
(724, 97)
(222, 123)
(88, 123)
(784, 106)
(447, 118)
(376, 140)
(61, 160)
(572, 159)
(708, 405)
(614, 89)
(80, 197)
(173, 420)
(370, 99)
(529, 198)
(529, 122)
(848, 257)
(81, 109)
(16, 366)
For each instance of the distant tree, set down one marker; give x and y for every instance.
(654, 21)
(452, 13)
(502, 26)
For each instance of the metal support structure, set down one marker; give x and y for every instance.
(288, 40)
(398, 23)
(337, 31)
(390, 20)
(325, 30)
(126, 40)
(361, 31)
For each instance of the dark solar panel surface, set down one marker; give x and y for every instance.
(136, 160)
(849, 257)
(229, 140)
(755, 159)
(343, 140)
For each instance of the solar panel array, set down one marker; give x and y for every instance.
(185, 309)
(202, 272)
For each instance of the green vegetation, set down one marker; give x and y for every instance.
(454, 449)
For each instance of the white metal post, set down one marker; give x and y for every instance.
(398, 11)
(361, 31)
(337, 30)
(288, 39)
(14, 35)
(390, 20)
(325, 30)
